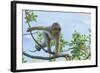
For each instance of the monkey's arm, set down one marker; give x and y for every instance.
(37, 28)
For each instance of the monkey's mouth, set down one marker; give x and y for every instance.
(55, 32)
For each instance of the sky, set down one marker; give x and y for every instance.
(69, 22)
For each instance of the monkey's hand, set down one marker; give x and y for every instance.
(29, 29)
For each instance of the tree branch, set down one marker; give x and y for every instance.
(28, 33)
(88, 56)
(46, 58)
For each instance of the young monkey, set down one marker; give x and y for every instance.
(49, 33)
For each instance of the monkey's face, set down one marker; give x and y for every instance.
(56, 28)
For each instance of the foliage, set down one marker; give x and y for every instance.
(30, 16)
(24, 60)
(63, 43)
(38, 36)
(78, 46)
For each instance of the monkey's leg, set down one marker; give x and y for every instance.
(49, 48)
(47, 40)
(57, 46)
(49, 45)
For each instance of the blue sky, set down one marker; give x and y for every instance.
(69, 21)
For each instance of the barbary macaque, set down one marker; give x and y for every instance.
(49, 33)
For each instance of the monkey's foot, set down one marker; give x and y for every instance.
(57, 54)
(38, 47)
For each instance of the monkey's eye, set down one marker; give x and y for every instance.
(59, 29)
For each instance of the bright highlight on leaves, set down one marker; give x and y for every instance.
(30, 16)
